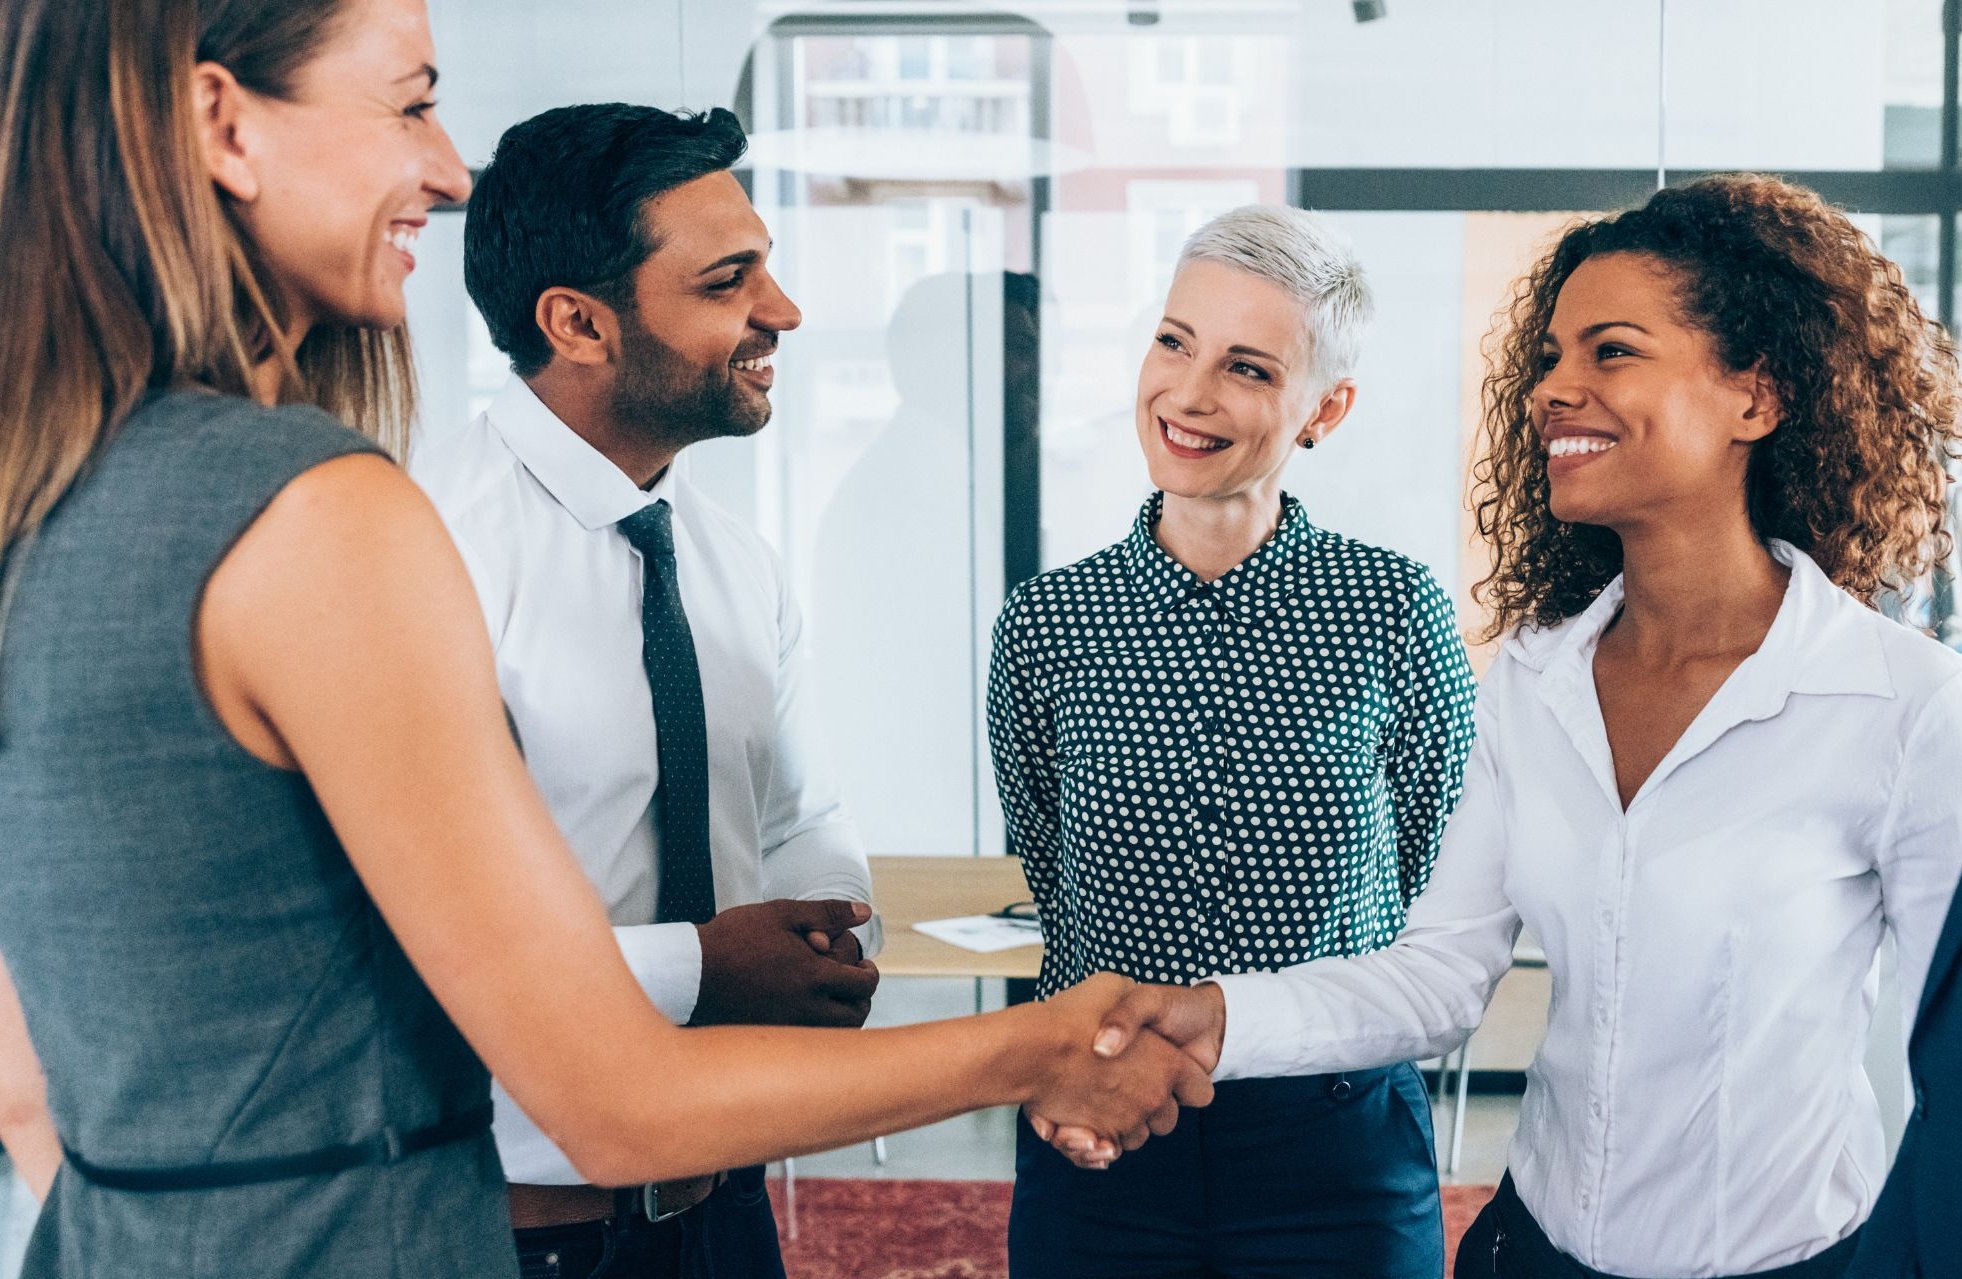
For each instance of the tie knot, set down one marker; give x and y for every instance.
(651, 530)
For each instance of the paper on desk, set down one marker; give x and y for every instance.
(982, 933)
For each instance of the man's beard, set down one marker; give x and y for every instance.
(661, 394)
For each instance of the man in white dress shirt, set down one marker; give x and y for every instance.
(647, 645)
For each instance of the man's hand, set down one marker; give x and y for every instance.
(1113, 1095)
(844, 947)
(1192, 1018)
(785, 963)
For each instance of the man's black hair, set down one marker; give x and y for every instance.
(559, 204)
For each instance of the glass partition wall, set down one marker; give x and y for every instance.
(978, 207)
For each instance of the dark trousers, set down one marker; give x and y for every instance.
(730, 1235)
(1314, 1175)
(1506, 1243)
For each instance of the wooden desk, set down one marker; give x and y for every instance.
(909, 889)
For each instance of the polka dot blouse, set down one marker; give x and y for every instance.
(1226, 777)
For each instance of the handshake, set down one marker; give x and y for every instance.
(1131, 1056)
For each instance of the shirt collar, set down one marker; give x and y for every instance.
(1822, 641)
(578, 476)
(1259, 584)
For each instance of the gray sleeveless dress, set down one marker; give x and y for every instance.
(205, 978)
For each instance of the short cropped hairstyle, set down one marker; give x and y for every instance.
(1302, 253)
(559, 205)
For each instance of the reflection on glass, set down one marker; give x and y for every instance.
(887, 409)
(1912, 84)
(1912, 243)
(1795, 85)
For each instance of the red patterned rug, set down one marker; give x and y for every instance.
(859, 1228)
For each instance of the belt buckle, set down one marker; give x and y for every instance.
(650, 1203)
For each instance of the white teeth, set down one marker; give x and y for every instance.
(1187, 440)
(1569, 445)
(756, 365)
(403, 237)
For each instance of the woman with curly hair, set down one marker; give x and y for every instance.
(1708, 775)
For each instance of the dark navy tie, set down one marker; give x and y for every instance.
(687, 886)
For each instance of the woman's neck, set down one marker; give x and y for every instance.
(1212, 535)
(1697, 591)
(268, 376)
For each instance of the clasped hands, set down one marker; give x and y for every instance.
(1171, 1033)
(1121, 1057)
(785, 963)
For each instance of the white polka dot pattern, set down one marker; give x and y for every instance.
(1226, 777)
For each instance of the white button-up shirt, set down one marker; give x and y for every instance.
(533, 509)
(1699, 1105)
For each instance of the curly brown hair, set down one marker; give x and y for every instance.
(1855, 475)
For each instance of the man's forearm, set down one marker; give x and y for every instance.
(825, 862)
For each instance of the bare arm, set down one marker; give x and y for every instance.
(341, 635)
(26, 1129)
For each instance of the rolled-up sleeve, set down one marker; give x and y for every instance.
(810, 845)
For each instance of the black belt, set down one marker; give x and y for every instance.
(385, 1147)
(1522, 1247)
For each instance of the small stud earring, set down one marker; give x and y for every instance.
(1308, 442)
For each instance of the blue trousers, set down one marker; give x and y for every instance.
(1295, 1178)
(730, 1235)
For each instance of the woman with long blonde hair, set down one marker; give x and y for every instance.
(277, 888)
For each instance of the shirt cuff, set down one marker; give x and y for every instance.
(871, 936)
(1262, 1039)
(666, 959)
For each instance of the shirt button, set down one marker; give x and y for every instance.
(1208, 812)
(1585, 1199)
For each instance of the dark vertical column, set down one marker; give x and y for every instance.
(1021, 364)
(1948, 626)
(1021, 374)
(1951, 161)
(1021, 452)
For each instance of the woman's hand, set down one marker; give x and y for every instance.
(1189, 1018)
(1113, 1092)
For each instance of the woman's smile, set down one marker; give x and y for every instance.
(1183, 441)
(1569, 448)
